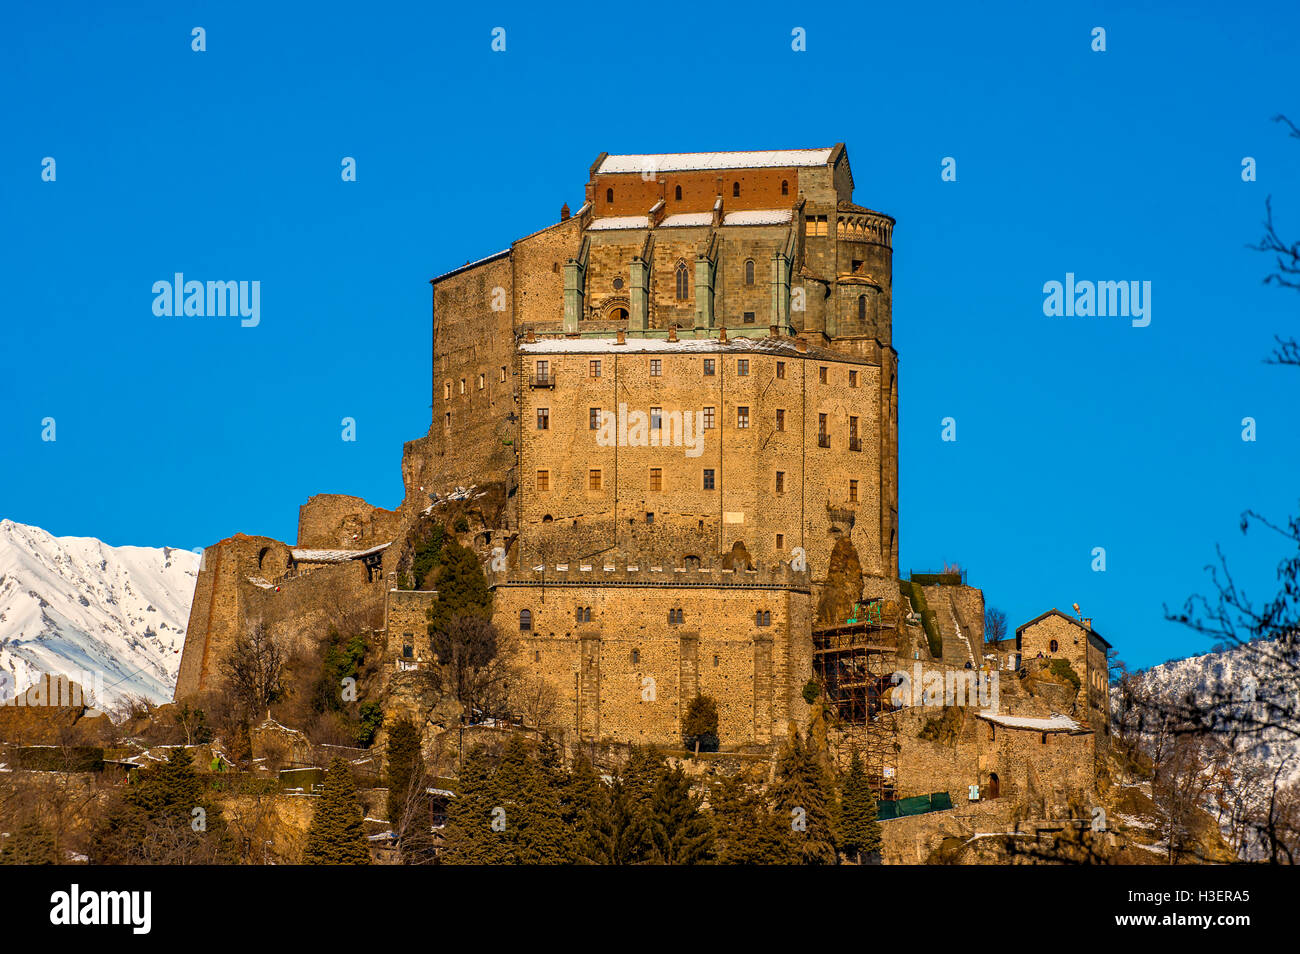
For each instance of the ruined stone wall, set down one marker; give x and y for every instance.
(338, 521)
(629, 673)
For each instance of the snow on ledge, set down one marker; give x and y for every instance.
(1056, 723)
(612, 222)
(335, 556)
(758, 217)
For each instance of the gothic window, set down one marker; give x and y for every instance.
(762, 617)
(676, 617)
(749, 271)
(609, 195)
(683, 283)
(525, 621)
(735, 190)
(678, 193)
(862, 308)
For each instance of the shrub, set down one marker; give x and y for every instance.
(812, 691)
(700, 726)
(1061, 669)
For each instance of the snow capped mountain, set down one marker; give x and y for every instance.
(110, 618)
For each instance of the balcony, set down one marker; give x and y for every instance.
(543, 380)
(855, 444)
(823, 440)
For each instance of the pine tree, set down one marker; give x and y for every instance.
(468, 837)
(749, 831)
(337, 835)
(405, 769)
(680, 833)
(805, 795)
(582, 796)
(621, 834)
(858, 829)
(462, 589)
(534, 833)
(31, 844)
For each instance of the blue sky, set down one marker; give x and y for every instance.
(1072, 433)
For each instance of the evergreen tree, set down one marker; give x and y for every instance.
(337, 835)
(462, 589)
(805, 795)
(165, 817)
(582, 797)
(621, 833)
(680, 833)
(405, 768)
(700, 725)
(468, 837)
(749, 831)
(31, 844)
(858, 829)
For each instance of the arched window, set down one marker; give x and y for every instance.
(785, 187)
(1052, 646)
(749, 271)
(525, 621)
(735, 189)
(683, 282)
(862, 308)
(678, 193)
(609, 195)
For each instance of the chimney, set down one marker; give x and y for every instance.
(564, 212)
(1087, 624)
(530, 337)
(722, 335)
(801, 345)
(773, 331)
(622, 336)
(672, 332)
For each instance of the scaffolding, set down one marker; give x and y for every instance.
(855, 661)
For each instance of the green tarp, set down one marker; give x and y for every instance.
(916, 805)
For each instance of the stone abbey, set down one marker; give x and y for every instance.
(728, 318)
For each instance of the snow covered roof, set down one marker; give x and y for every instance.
(335, 556)
(758, 217)
(620, 222)
(1056, 723)
(479, 261)
(701, 161)
(684, 220)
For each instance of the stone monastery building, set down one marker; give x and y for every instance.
(673, 416)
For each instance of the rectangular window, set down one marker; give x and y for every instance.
(593, 418)
(780, 481)
(649, 516)
(462, 385)
(780, 542)
(823, 439)
(543, 480)
(593, 480)
(656, 418)
(853, 379)
(854, 443)
(780, 369)
(482, 380)
(656, 478)
(742, 417)
(543, 370)
(446, 421)
(708, 479)
(853, 491)
(821, 375)
(742, 367)
(780, 419)
(543, 418)
(749, 318)
(710, 366)
(656, 367)
(708, 418)
(593, 368)
(503, 373)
